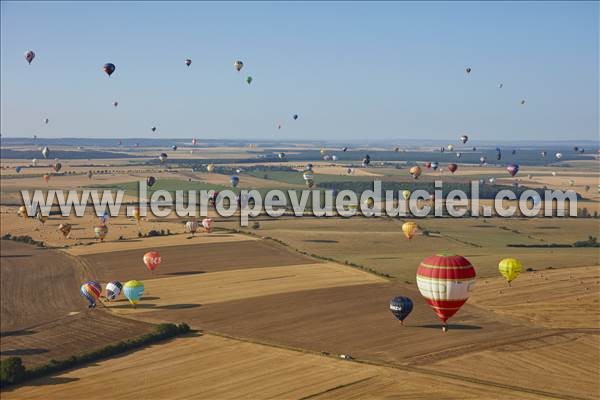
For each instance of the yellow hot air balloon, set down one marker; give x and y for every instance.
(369, 202)
(409, 229)
(510, 269)
(406, 194)
(22, 212)
(415, 171)
(210, 167)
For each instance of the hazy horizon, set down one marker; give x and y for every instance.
(367, 72)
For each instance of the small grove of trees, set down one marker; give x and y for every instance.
(12, 370)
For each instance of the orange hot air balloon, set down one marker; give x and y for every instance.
(409, 229)
(415, 171)
(152, 259)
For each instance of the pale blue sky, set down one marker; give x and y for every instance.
(350, 70)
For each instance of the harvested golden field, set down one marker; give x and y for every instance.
(218, 368)
(199, 290)
(190, 259)
(564, 298)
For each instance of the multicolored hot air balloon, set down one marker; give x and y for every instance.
(210, 167)
(409, 229)
(45, 152)
(464, 139)
(152, 259)
(100, 231)
(452, 167)
(435, 165)
(401, 306)
(57, 166)
(445, 281)
(29, 56)
(163, 157)
(512, 169)
(113, 289)
(207, 224)
(510, 269)
(281, 156)
(188, 62)
(238, 65)
(150, 181)
(91, 291)
(558, 156)
(109, 68)
(65, 229)
(307, 175)
(191, 227)
(133, 291)
(415, 171)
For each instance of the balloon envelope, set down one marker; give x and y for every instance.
(113, 289)
(91, 291)
(152, 259)
(409, 229)
(133, 291)
(29, 56)
(109, 68)
(401, 306)
(510, 268)
(445, 281)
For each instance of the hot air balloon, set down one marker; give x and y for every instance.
(308, 167)
(136, 214)
(558, 156)
(91, 291)
(153, 129)
(40, 217)
(238, 65)
(349, 171)
(46, 178)
(513, 152)
(248, 80)
(415, 171)
(369, 202)
(188, 62)
(406, 194)
(100, 231)
(327, 157)
(445, 281)
(310, 183)
(174, 147)
(133, 291)
(34, 162)
(334, 157)
(57, 166)
(458, 155)
(207, 224)
(553, 173)
(468, 70)
(512, 169)
(103, 219)
(427, 164)
(450, 147)
(307, 175)
(281, 156)
(18, 169)
(401, 306)
(500, 86)
(492, 180)
(344, 149)
(464, 139)
(366, 161)
(150, 181)
(442, 149)
(210, 167)
(163, 157)
(234, 180)
(46, 152)
(498, 155)
(22, 212)
(29, 56)
(435, 165)
(109, 68)
(152, 260)
(115, 103)
(452, 167)
(587, 188)
(522, 102)
(194, 141)
(295, 116)
(113, 289)
(65, 229)
(543, 154)
(191, 227)
(396, 149)
(510, 269)
(482, 160)
(409, 229)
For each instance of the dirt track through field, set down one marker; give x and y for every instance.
(192, 259)
(213, 367)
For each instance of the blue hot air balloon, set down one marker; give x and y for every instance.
(401, 306)
(234, 180)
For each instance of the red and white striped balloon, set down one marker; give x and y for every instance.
(445, 281)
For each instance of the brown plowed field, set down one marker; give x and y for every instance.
(43, 315)
(193, 259)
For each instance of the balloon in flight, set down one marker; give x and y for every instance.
(29, 56)
(401, 307)
(109, 68)
(510, 269)
(152, 259)
(409, 229)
